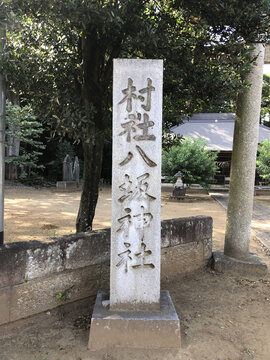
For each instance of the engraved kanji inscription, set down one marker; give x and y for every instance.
(146, 159)
(145, 128)
(140, 192)
(129, 128)
(142, 219)
(136, 191)
(125, 222)
(147, 91)
(129, 95)
(124, 257)
(143, 155)
(134, 117)
(141, 258)
(126, 159)
(126, 188)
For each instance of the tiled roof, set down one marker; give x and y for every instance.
(215, 128)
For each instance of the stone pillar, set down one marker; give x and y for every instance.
(136, 184)
(136, 313)
(242, 176)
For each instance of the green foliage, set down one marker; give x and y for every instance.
(263, 160)
(197, 164)
(265, 109)
(243, 20)
(60, 57)
(62, 296)
(170, 139)
(60, 51)
(64, 148)
(23, 125)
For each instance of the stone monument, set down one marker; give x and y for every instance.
(135, 302)
(76, 170)
(67, 169)
(71, 175)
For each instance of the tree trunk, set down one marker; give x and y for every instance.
(97, 78)
(2, 135)
(93, 152)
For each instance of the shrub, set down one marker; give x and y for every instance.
(197, 164)
(263, 160)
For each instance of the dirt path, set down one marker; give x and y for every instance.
(39, 214)
(222, 317)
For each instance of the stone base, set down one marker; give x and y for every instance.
(67, 185)
(146, 330)
(179, 193)
(253, 265)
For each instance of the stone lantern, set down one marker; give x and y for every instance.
(179, 191)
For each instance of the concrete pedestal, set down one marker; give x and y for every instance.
(127, 329)
(252, 266)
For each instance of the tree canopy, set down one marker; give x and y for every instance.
(204, 46)
(60, 55)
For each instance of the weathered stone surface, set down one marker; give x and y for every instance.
(243, 164)
(177, 260)
(43, 261)
(23, 261)
(40, 271)
(179, 192)
(12, 265)
(105, 275)
(85, 250)
(41, 294)
(136, 188)
(148, 330)
(207, 246)
(252, 266)
(183, 230)
(182, 259)
(4, 305)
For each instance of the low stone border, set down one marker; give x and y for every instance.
(36, 276)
